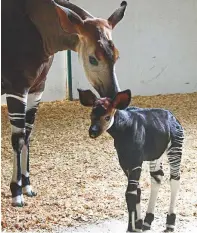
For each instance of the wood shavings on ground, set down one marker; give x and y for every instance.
(78, 179)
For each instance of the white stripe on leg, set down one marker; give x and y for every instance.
(154, 167)
(133, 220)
(24, 162)
(15, 170)
(18, 200)
(24, 156)
(22, 99)
(138, 210)
(33, 99)
(16, 130)
(153, 195)
(27, 189)
(174, 186)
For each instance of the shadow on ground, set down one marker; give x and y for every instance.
(184, 225)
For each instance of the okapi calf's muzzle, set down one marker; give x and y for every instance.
(94, 131)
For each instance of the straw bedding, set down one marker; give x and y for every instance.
(78, 179)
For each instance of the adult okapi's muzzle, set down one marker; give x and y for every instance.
(114, 88)
(94, 131)
(107, 86)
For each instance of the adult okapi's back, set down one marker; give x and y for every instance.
(32, 32)
(22, 49)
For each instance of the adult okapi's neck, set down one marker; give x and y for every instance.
(44, 16)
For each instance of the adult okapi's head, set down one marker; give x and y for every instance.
(103, 109)
(95, 46)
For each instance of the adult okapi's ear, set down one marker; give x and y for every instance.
(69, 20)
(117, 15)
(122, 99)
(87, 97)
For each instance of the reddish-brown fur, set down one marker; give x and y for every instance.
(32, 32)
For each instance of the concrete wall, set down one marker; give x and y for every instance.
(56, 82)
(157, 41)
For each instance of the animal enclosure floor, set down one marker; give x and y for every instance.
(120, 226)
(78, 179)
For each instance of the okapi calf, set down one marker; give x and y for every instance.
(140, 134)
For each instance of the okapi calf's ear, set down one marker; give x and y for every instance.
(87, 97)
(117, 15)
(122, 100)
(69, 20)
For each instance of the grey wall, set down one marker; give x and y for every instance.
(157, 41)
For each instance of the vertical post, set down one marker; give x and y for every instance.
(69, 66)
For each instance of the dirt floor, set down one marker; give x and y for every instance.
(78, 179)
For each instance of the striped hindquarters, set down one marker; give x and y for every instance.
(174, 152)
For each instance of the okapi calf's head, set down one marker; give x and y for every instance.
(64, 25)
(103, 109)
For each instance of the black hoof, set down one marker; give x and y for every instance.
(133, 231)
(145, 228)
(168, 229)
(170, 222)
(138, 224)
(130, 229)
(148, 221)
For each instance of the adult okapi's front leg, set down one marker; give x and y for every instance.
(17, 107)
(32, 106)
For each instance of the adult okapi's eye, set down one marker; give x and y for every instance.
(93, 61)
(107, 118)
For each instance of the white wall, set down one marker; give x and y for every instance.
(56, 82)
(157, 41)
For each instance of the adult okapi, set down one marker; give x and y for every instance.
(32, 32)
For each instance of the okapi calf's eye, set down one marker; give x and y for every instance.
(107, 118)
(140, 134)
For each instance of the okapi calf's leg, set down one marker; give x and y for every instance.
(157, 174)
(133, 193)
(32, 106)
(16, 108)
